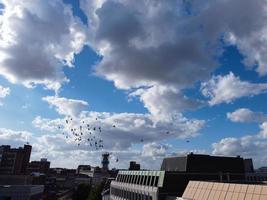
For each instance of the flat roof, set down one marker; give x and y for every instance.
(202, 190)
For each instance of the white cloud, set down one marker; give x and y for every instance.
(263, 132)
(226, 89)
(130, 128)
(248, 146)
(37, 39)
(4, 92)
(164, 102)
(64, 106)
(246, 115)
(155, 150)
(62, 152)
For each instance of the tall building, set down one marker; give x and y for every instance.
(41, 166)
(14, 160)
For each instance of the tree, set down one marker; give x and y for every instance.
(95, 193)
(82, 192)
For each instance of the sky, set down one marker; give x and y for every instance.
(161, 78)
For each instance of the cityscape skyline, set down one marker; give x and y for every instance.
(178, 78)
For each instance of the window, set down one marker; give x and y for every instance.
(152, 180)
(156, 181)
(145, 180)
(148, 181)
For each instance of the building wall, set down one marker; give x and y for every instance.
(14, 161)
(137, 185)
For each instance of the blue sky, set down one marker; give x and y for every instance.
(169, 86)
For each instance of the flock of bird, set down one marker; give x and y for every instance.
(84, 131)
(92, 134)
(88, 133)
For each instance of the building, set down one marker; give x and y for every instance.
(105, 161)
(21, 192)
(106, 189)
(14, 160)
(196, 163)
(200, 190)
(262, 170)
(134, 166)
(41, 166)
(96, 174)
(83, 168)
(248, 164)
(173, 179)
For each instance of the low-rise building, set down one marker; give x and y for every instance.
(41, 166)
(21, 192)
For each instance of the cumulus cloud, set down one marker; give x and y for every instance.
(164, 102)
(63, 152)
(247, 146)
(130, 128)
(253, 146)
(37, 39)
(263, 132)
(154, 150)
(246, 115)
(175, 43)
(64, 106)
(134, 50)
(4, 91)
(226, 89)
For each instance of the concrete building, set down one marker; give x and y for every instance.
(196, 163)
(41, 166)
(14, 160)
(199, 190)
(96, 174)
(173, 179)
(21, 192)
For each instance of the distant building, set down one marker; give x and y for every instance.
(21, 192)
(14, 160)
(96, 174)
(105, 161)
(262, 170)
(134, 166)
(41, 166)
(83, 168)
(200, 190)
(248, 164)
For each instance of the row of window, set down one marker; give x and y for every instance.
(138, 179)
(256, 178)
(129, 195)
